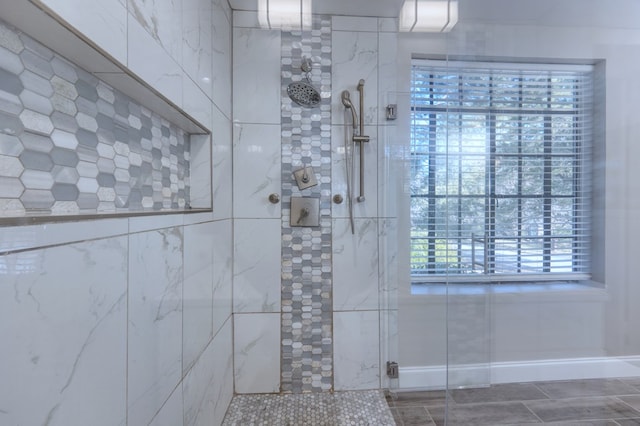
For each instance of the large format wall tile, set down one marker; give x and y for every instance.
(155, 320)
(162, 20)
(103, 21)
(62, 321)
(197, 291)
(256, 349)
(221, 79)
(256, 283)
(153, 64)
(256, 76)
(208, 386)
(357, 362)
(171, 412)
(355, 265)
(222, 162)
(197, 42)
(256, 171)
(222, 272)
(356, 58)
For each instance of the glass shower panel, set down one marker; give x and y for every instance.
(543, 327)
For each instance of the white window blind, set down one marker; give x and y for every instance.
(501, 171)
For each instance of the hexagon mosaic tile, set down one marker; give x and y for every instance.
(71, 144)
(353, 408)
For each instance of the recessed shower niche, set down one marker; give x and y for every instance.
(73, 146)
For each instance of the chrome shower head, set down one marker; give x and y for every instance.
(302, 92)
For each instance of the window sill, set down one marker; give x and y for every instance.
(533, 292)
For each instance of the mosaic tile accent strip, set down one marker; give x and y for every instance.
(366, 408)
(71, 144)
(307, 340)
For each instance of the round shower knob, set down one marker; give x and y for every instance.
(274, 198)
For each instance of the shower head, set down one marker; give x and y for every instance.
(346, 101)
(302, 92)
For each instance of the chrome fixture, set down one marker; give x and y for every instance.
(305, 178)
(305, 211)
(302, 92)
(274, 198)
(358, 137)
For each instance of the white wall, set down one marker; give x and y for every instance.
(128, 321)
(520, 326)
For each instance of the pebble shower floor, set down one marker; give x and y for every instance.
(352, 408)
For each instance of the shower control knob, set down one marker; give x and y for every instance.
(274, 198)
(338, 199)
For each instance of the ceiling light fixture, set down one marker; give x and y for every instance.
(285, 14)
(436, 16)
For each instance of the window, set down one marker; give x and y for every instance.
(500, 171)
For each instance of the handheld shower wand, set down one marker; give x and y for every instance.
(359, 137)
(346, 101)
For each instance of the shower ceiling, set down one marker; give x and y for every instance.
(612, 13)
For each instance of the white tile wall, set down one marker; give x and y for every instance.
(354, 58)
(104, 22)
(63, 332)
(222, 272)
(256, 275)
(197, 42)
(355, 265)
(197, 329)
(149, 61)
(222, 152)
(356, 350)
(256, 349)
(256, 174)
(73, 331)
(256, 76)
(155, 320)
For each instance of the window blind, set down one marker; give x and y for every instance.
(500, 171)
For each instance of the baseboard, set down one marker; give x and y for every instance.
(437, 377)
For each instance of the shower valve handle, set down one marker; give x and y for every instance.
(303, 214)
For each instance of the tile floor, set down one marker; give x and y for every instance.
(354, 408)
(593, 402)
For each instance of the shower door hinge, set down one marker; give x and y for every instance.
(392, 369)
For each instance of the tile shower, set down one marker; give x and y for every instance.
(324, 329)
(199, 264)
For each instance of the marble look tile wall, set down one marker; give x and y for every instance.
(63, 333)
(137, 315)
(332, 281)
(127, 321)
(71, 144)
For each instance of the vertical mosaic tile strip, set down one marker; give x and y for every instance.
(307, 340)
(71, 144)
